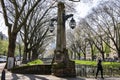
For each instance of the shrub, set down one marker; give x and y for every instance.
(35, 62)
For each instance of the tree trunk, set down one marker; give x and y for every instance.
(11, 47)
(74, 56)
(34, 54)
(92, 54)
(71, 54)
(103, 56)
(84, 56)
(20, 51)
(29, 56)
(24, 55)
(79, 56)
(119, 55)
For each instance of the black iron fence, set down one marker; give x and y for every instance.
(90, 71)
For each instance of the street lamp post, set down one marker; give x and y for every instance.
(62, 65)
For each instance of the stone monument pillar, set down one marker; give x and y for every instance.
(62, 66)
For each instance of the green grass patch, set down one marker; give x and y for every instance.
(94, 63)
(111, 64)
(83, 62)
(35, 62)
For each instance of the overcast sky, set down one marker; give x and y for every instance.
(83, 8)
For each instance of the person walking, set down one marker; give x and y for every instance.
(3, 75)
(99, 68)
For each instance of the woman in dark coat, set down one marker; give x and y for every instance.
(99, 68)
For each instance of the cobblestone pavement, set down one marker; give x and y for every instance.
(11, 76)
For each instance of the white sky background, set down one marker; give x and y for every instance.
(83, 8)
(3, 28)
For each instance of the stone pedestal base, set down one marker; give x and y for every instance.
(62, 65)
(64, 69)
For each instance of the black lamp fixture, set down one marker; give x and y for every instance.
(72, 23)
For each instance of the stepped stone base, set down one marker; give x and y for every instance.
(62, 65)
(64, 69)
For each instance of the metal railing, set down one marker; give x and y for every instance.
(90, 71)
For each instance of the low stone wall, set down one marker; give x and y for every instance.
(34, 69)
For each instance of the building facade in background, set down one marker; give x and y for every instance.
(3, 36)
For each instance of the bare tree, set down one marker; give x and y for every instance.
(78, 43)
(107, 19)
(103, 23)
(74, 50)
(35, 33)
(12, 12)
(91, 36)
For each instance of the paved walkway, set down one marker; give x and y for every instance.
(11, 76)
